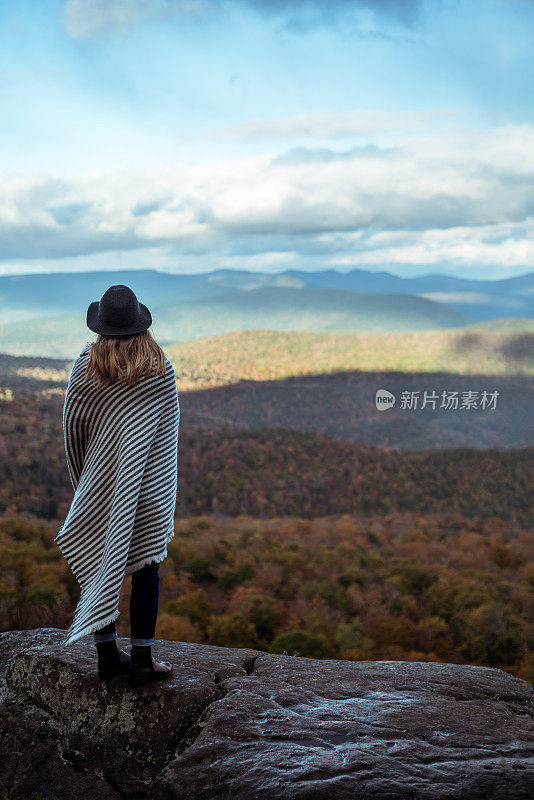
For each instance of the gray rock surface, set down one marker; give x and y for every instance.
(240, 724)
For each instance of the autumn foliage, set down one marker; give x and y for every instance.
(400, 586)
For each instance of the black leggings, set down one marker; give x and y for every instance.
(144, 600)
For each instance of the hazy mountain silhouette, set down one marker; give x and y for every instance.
(44, 314)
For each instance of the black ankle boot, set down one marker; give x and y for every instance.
(144, 669)
(141, 654)
(106, 649)
(112, 661)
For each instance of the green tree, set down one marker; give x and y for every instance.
(232, 630)
(300, 643)
(194, 605)
(493, 636)
(265, 616)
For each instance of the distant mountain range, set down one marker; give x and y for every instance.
(45, 313)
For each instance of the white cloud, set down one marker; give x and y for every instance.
(471, 298)
(500, 245)
(260, 261)
(338, 125)
(463, 196)
(85, 18)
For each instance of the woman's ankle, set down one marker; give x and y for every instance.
(107, 648)
(141, 654)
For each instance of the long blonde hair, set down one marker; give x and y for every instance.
(124, 358)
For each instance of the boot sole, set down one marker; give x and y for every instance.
(110, 674)
(111, 666)
(136, 681)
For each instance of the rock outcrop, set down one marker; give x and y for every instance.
(239, 724)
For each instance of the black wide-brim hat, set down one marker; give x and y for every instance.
(118, 313)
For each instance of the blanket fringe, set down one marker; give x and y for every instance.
(91, 628)
(151, 559)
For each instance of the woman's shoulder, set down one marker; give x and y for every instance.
(86, 349)
(168, 362)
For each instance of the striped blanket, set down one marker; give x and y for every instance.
(121, 444)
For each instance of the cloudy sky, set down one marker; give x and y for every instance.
(190, 135)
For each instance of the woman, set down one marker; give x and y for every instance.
(120, 422)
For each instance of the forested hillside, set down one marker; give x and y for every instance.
(412, 587)
(482, 349)
(327, 384)
(301, 525)
(273, 472)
